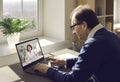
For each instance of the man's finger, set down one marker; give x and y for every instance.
(51, 58)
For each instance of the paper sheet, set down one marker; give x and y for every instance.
(8, 75)
(66, 56)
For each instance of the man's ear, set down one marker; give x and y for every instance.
(84, 25)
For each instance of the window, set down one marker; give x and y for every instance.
(53, 28)
(22, 9)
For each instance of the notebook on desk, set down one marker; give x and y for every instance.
(30, 53)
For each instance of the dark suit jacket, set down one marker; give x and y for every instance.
(99, 57)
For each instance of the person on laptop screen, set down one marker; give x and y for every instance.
(99, 57)
(30, 53)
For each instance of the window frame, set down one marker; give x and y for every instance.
(26, 34)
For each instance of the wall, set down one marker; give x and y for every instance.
(57, 18)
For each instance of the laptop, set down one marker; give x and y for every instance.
(30, 53)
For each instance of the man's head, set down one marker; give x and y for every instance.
(83, 19)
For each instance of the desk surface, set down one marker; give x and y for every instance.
(26, 77)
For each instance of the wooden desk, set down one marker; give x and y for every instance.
(26, 77)
(14, 72)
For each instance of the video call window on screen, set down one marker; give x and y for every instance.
(29, 52)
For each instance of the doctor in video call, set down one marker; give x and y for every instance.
(99, 57)
(30, 53)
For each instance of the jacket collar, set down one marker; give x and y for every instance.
(94, 30)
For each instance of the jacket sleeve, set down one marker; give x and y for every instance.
(86, 65)
(70, 62)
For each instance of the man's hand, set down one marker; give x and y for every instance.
(41, 67)
(56, 61)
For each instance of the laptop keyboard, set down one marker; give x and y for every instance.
(32, 71)
(31, 68)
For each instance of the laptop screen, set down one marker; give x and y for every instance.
(29, 51)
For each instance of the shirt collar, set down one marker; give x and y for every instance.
(94, 30)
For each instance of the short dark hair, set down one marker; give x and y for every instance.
(84, 13)
(30, 47)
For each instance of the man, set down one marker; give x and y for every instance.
(99, 57)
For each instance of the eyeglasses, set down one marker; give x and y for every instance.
(72, 26)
